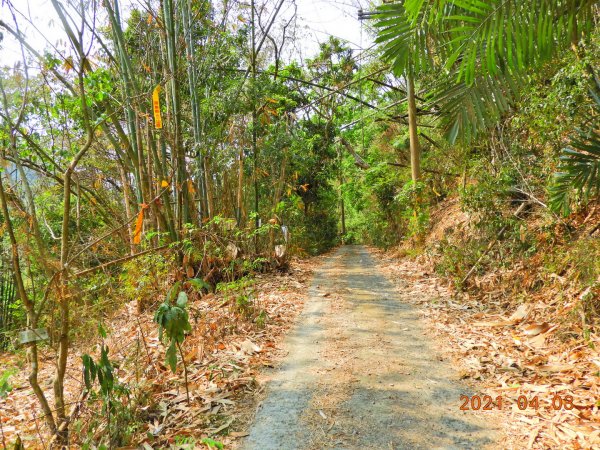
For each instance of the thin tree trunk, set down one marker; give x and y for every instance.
(415, 148)
(183, 197)
(254, 125)
(210, 194)
(126, 202)
(195, 105)
(30, 308)
(185, 372)
(240, 189)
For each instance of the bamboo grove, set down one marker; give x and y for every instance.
(163, 130)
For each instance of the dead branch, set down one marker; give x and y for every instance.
(492, 243)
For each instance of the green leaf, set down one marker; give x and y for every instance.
(101, 330)
(212, 443)
(89, 370)
(173, 291)
(5, 386)
(199, 284)
(105, 372)
(182, 299)
(171, 356)
(578, 172)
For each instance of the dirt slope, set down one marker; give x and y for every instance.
(362, 373)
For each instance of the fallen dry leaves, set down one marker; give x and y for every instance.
(524, 352)
(224, 353)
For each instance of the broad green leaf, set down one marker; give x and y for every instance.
(171, 357)
(182, 299)
(199, 284)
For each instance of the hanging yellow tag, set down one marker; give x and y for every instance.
(156, 107)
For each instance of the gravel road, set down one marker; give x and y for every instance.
(361, 373)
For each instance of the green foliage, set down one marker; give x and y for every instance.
(242, 292)
(413, 204)
(5, 386)
(496, 36)
(580, 261)
(481, 49)
(579, 168)
(173, 322)
(101, 370)
(144, 279)
(119, 408)
(487, 198)
(404, 34)
(455, 259)
(199, 284)
(211, 443)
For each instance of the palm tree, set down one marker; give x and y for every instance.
(482, 51)
(405, 39)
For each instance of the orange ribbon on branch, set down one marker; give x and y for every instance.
(139, 223)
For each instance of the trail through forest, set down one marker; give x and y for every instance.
(362, 373)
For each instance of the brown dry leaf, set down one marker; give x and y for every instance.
(536, 328)
(499, 323)
(221, 428)
(200, 352)
(191, 355)
(189, 271)
(550, 368)
(538, 341)
(249, 347)
(516, 339)
(520, 314)
(239, 434)
(533, 437)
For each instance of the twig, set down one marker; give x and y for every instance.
(357, 159)
(120, 260)
(114, 230)
(2, 432)
(63, 426)
(438, 172)
(185, 373)
(37, 427)
(491, 244)
(144, 341)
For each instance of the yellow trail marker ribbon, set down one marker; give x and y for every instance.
(156, 107)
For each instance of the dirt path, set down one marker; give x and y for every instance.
(361, 373)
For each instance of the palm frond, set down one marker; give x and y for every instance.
(468, 109)
(578, 171)
(404, 30)
(498, 36)
(481, 48)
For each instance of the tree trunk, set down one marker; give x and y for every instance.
(31, 314)
(240, 189)
(415, 148)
